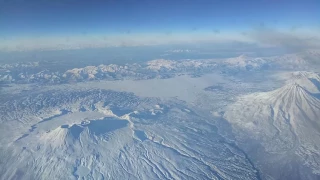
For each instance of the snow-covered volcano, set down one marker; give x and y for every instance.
(284, 121)
(101, 134)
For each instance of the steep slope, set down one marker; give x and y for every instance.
(284, 122)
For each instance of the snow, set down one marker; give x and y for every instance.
(244, 61)
(157, 68)
(285, 120)
(81, 135)
(82, 171)
(160, 63)
(235, 118)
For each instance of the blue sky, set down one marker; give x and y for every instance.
(70, 22)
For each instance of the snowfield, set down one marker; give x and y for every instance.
(235, 118)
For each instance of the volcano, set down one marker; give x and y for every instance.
(285, 122)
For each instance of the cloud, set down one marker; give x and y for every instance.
(105, 40)
(295, 41)
(292, 41)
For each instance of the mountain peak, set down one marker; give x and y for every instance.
(310, 81)
(283, 120)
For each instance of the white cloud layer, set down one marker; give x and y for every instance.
(293, 40)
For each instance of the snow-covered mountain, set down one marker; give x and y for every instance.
(289, 61)
(246, 63)
(168, 129)
(285, 122)
(281, 62)
(158, 68)
(100, 134)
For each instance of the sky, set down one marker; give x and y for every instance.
(45, 24)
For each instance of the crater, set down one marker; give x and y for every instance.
(99, 127)
(75, 131)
